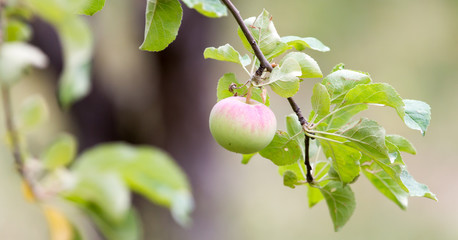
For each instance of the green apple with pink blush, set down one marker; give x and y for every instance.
(241, 126)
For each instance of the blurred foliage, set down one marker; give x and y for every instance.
(410, 44)
(103, 178)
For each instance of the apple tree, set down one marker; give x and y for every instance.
(324, 151)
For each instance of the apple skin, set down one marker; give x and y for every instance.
(242, 127)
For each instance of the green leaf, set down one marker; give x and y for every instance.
(247, 157)
(16, 58)
(17, 31)
(384, 183)
(417, 115)
(57, 9)
(321, 101)
(283, 150)
(341, 203)
(298, 168)
(402, 143)
(394, 153)
(146, 170)
(104, 190)
(321, 170)
(309, 66)
(224, 85)
(338, 67)
(378, 93)
(226, 53)
(332, 173)
(129, 228)
(394, 171)
(33, 113)
(265, 34)
(416, 189)
(345, 160)
(280, 49)
(340, 82)
(90, 7)
(76, 235)
(303, 43)
(284, 78)
(368, 137)
(77, 43)
(289, 179)
(294, 128)
(163, 19)
(285, 89)
(15, 11)
(225, 82)
(314, 195)
(61, 152)
(343, 115)
(208, 8)
(182, 206)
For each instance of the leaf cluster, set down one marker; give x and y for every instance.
(341, 147)
(100, 181)
(338, 146)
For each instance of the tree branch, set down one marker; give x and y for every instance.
(11, 131)
(9, 122)
(307, 160)
(7, 109)
(298, 112)
(264, 64)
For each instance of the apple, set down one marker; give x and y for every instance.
(241, 126)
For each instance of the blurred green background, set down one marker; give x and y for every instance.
(410, 44)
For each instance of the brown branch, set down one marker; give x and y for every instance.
(307, 160)
(298, 112)
(264, 64)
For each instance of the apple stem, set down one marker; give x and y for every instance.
(248, 94)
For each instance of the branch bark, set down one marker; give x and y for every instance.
(264, 64)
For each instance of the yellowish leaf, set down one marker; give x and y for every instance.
(60, 228)
(28, 193)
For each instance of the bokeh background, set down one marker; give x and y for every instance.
(164, 99)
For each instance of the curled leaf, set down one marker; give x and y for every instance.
(16, 58)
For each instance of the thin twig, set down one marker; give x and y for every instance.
(265, 65)
(307, 160)
(7, 108)
(298, 112)
(11, 130)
